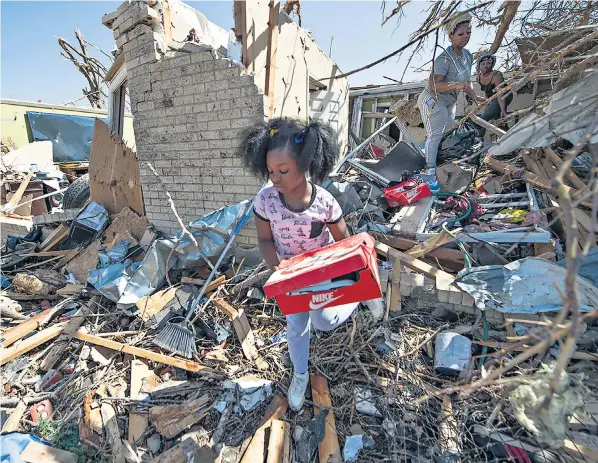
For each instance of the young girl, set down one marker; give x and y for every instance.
(296, 215)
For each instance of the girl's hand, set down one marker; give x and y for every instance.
(503, 113)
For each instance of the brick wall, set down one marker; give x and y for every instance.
(189, 109)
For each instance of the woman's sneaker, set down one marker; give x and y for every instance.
(431, 181)
(296, 393)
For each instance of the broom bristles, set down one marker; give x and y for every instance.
(176, 339)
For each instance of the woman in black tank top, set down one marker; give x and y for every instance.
(489, 79)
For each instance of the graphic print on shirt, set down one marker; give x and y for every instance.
(297, 232)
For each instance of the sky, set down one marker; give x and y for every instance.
(32, 69)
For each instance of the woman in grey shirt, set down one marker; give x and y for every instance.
(438, 102)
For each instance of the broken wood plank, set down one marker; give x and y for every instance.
(12, 422)
(138, 422)
(57, 350)
(570, 175)
(10, 353)
(113, 433)
(70, 290)
(171, 420)
(276, 445)
(31, 297)
(430, 244)
(114, 176)
(66, 259)
(271, 53)
(243, 331)
(48, 253)
(395, 286)
(211, 287)
(56, 238)
(36, 452)
(147, 354)
(329, 449)
(448, 438)
(487, 125)
(254, 444)
(22, 329)
(414, 264)
(404, 244)
(13, 203)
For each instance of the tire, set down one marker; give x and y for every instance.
(77, 194)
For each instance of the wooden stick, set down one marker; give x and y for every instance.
(276, 447)
(221, 280)
(487, 125)
(22, 329)
(255, 447)
(10, 353)
(448, 430)
(403, 244)
(147, 354)
(48, 253)
(329, 449)
(430, 244)
(570, 175)
(271, 53)
(12, 423)
(395, 286)
(414, 264)
(66, 259)
(138, 422)
(13, 203)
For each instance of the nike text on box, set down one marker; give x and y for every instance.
(338, 274)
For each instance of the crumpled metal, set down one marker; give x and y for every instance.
(567, 115)
(113, 272)
(529, 285)
(211, 232)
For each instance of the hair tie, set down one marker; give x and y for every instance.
(299, 137)
(273, 132)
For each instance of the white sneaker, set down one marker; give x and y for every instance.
(296, 393)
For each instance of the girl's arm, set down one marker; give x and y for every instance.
(497, 80)
(339, 230)
(266, 242)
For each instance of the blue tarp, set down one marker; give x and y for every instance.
(12, 445)
(70, 135)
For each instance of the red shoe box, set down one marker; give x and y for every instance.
(353, 258)
(406, 193)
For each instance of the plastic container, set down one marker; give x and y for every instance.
(406, 193)
(452, 354)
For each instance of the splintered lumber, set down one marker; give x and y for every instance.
(70, 290)
(47, 253)
(404, 244)
(429, 245)
(329, 449)
(57, 237)
(113, 433)
(211, 287)
(10, 353)
(12, 422)
(487, 125)
(22, 329)
(395, 286)
(57, 350)
(13, 203)
(171, 420)
(244, 332)
(276, 410)
(188, 448)
(138, 422)
(570, 175)
(278, 441)
(147, 354)
(448, 436)
(414, 264)
(36, 452)
(67, 258)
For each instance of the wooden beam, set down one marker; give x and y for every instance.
(147, 354)
(48, 253)
(487, 125)
(276, 445)
(414, 264)
(167, 20)
(70, 290)
(112, 433)
(138, 422)
(243, 331)
(28, 326)
(10, 353)
(570, 174)
(13, 203)
(12, 423)
(519, 172)
(57, 237)
(395, 286)
(421, 249)
(273, 20)
(329, 449)
(66, 259)
(36, 452)
(211, 287)
(403, 244)
(276, 410)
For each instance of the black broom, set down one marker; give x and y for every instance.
(179, 338)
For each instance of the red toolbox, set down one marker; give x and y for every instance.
(340, 273)
(406, 193)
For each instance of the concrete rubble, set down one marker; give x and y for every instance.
(84, 297)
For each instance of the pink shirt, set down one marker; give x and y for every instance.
(298, 231)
